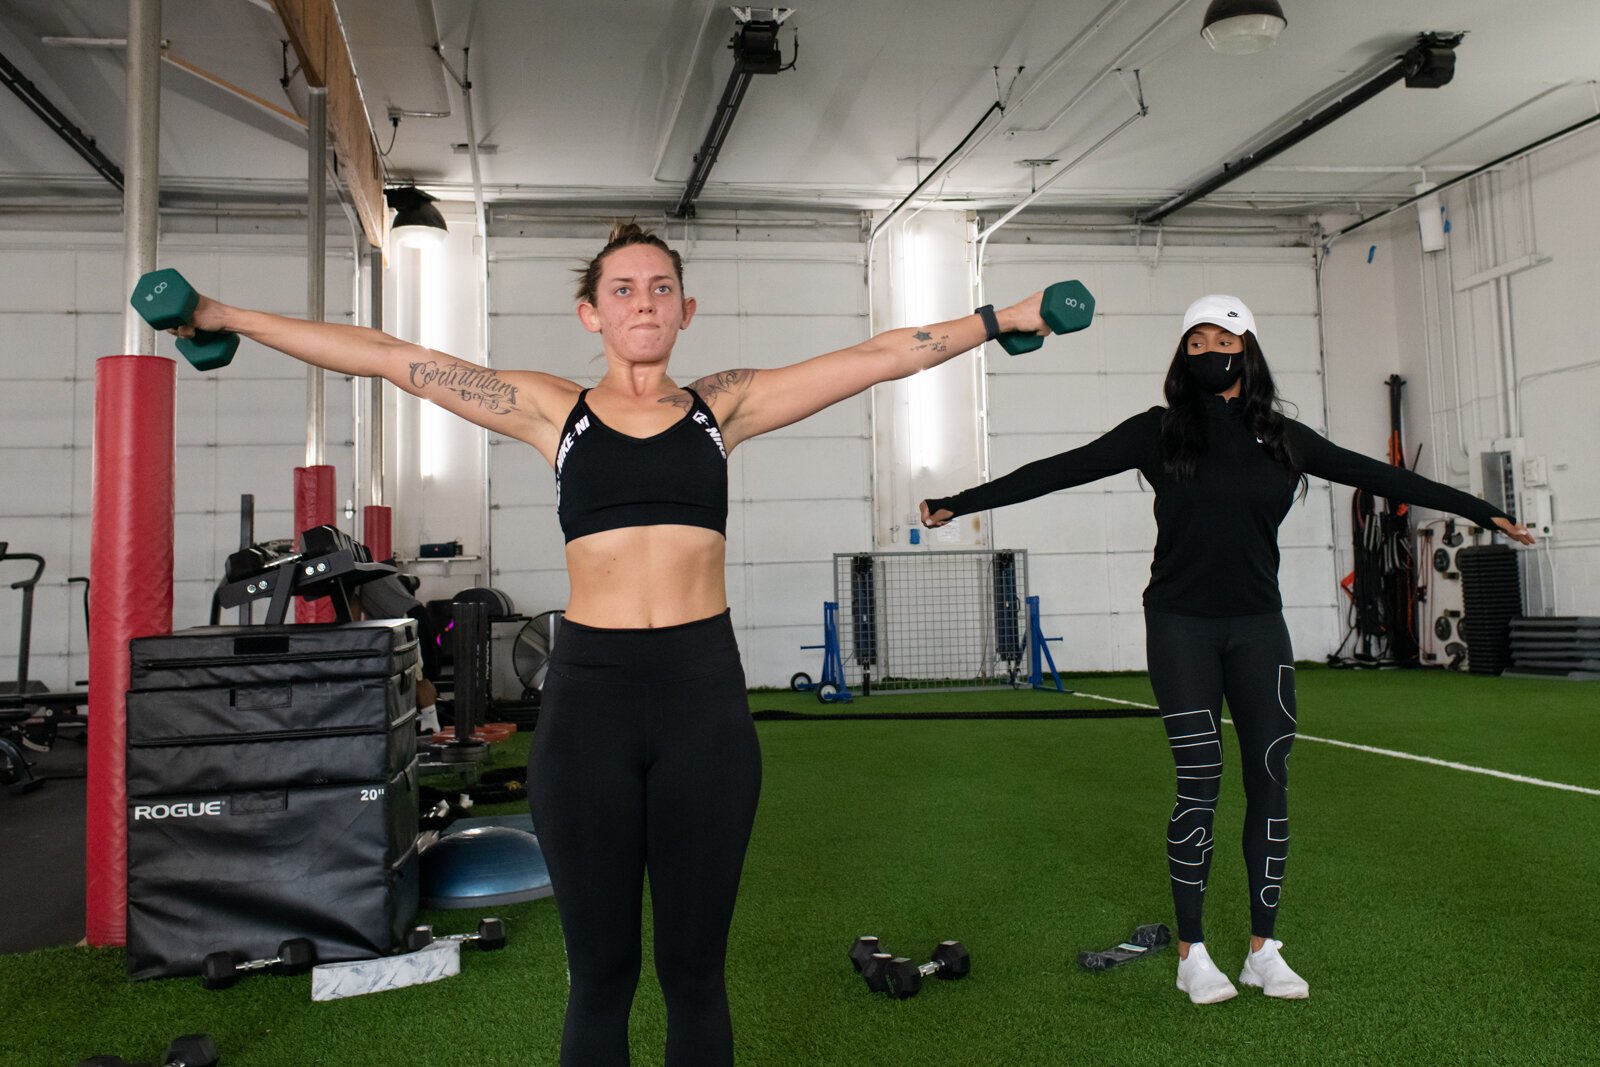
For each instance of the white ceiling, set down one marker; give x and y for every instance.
(582, 98)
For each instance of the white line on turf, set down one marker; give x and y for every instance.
(1390, 752)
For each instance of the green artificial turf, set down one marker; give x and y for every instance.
(1440, 916)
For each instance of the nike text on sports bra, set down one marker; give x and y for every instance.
(606, 480)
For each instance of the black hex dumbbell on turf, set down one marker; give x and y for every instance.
(870, 962)
(950, 961)
(220, 970)
(191, 1050)
(491, 935)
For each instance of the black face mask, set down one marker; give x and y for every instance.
(1216, 371)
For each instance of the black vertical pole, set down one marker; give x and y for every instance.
(1400, 584)
(864, 616)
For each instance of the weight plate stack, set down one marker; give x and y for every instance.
(1491, 592)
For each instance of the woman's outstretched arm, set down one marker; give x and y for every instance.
(1130, 444)
(527, 405)
(1319, 456)
(750, 402)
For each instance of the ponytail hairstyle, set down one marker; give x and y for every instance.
(623, 234)
(1183, 424)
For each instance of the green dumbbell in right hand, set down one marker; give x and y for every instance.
(166, 300)
(1067, 307)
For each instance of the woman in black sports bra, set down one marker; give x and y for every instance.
(645, 759)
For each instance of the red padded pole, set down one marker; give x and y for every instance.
(313, 506)
(130, 595)
(377, 531)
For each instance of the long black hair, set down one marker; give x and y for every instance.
(1183, 424)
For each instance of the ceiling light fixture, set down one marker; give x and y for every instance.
(417, 223)
(1239, 27)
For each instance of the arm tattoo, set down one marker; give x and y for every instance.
(930, 345)
(924, 335)
(478, 385)
(714, 385)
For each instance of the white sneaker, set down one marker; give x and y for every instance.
(1200, 978)
(1266, 970)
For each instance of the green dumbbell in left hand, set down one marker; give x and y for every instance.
(1067, 307)
(166, 300)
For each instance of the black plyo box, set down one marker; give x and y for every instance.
(249, 655)
(270, 734)
(242, 872)
(271, 792)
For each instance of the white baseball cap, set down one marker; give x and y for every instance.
(1218, 309)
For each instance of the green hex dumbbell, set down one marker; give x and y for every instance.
(1067, 307)
(166, 300)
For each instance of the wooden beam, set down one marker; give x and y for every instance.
(227, 86)
(319, 42)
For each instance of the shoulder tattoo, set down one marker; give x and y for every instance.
(714, 385)
(473, 384)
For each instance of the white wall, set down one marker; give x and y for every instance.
(796, 496)
(1090, 547)
(1438, 320)
(239, 430)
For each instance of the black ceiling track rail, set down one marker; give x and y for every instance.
(755, 51)
(1428, 64)
(64, 127)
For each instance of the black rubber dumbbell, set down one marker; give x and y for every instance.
(491, 935)
(1066, 307)
(950, 961)
(191, 1050)
(166, 300)
(220, 970)
(870, 962)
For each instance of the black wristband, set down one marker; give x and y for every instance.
(991, 323)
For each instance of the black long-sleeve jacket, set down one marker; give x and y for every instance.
(1217, 532)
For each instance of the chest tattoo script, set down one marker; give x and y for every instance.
(712, 386)
(475, 385)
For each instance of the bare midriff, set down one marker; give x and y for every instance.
(646, 577)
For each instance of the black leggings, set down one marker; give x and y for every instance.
(645, 759)
(1195, 663)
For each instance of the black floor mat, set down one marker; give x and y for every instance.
(42, 842)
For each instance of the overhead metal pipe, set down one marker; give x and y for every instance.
(316, 260)
(1062, 173)
(375, 385)
(1105, 72)
(983, 238)
(141, 191)
(465, 84)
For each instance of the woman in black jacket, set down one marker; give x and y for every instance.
(1225, 464)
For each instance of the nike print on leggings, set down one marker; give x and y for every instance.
(1195, 664)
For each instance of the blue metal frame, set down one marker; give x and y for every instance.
(1039, 651)
(832, 660)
